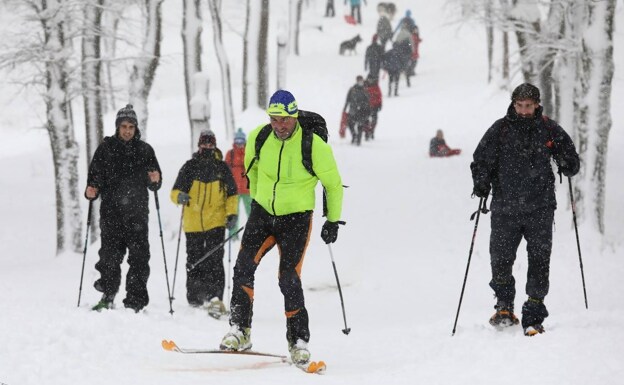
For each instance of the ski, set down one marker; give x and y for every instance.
(314, 367)
(172, 347)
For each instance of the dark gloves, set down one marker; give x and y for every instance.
(231, 221)
(183, 198)
(567, 168)
(481, 189)
(329, 233)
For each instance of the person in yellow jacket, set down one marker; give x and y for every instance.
(283, 198)
(207, 190)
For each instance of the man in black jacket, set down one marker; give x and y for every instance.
(358, 107)
(372, 59)
(122, 169)
(514, 159)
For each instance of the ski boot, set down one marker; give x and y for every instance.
(299, 353)
(237, 339)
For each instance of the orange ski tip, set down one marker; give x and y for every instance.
(169, 345)
(316, 367)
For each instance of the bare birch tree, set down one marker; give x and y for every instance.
(192, 50)
(45, 47)
(255, 56)
(224, 65)
(144, 68)
(92, 89)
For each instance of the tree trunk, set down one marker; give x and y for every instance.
(282, 53)
(92, 89)
(489, 38)
(192, 49)
(255, 59)
(224, 65)
(595, 112)
(144, 68)
(64, 147)
(294, 23)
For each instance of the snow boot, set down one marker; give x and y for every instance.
(299, 353)
(237, 339)
(532, 330)
(216, 308)
(105, 303)
(504, 316)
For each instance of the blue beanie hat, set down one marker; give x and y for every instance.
(408, 13)
(283, 103)
(240, 137)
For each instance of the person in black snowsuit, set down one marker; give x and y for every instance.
(122, 170)
(395, 61)
(372, 59)
(514, 160)
(357, 106)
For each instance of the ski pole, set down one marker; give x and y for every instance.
(211, 251)
(346, 330)
(578, 243)
(175, 270)
(162, 242)
(228, 270)
(84, 253)
(482, 207)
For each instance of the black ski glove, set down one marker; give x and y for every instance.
(481, 189)
(329, 233)
(183, 198)
(231, 221)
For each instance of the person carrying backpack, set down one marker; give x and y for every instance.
(282, 188)
(357, 106)
(514, 160)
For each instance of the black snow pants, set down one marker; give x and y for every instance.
(121, 232)
(291, 233)
(207, 279)
(507, 232)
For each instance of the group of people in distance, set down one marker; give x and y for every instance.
(512, 160)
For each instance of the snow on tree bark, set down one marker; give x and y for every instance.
(92, 88)
(224, 65)
(192, 49)
(144, 68)
(255, 58)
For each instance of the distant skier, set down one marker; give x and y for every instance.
(357, 106)
(514, 159)
(372, 58)
(375, 102)
(123, 168)
(207, 190)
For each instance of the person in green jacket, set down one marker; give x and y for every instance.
(283, 200)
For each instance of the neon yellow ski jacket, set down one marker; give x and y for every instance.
(280, 183)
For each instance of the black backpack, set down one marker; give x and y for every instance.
(311, 123)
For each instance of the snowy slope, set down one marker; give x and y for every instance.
(401, 257)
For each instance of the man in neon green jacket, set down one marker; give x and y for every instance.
(283, 194)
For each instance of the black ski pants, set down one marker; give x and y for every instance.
(291, 233)
(121, 232)
(507, 232)
(207, 279)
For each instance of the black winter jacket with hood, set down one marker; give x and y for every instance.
(514, 156)
(119, 170)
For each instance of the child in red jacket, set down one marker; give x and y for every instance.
(235, 159)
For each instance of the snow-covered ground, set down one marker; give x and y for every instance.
(401, 257)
